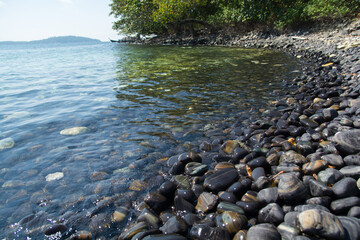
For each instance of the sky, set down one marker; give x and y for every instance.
(26, 20)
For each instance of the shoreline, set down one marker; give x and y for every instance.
(293, 178)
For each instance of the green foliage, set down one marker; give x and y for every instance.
(134, 16)
(155, 16)
(322, 9)
(173, 10)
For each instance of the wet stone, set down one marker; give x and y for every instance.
(307, 122)
(287, 232)
(351, 171)
(352, 160)
(206, 202)
(301, 208)
(166, 215)
(261, 183)
(320, 223)
(348, 142)
(333, 159)
(314, 167)
(226, 206)
(231, 221)
(351, 226)
(165, 237)
(354, 212)
(174, 225)
(224, 165)
(227, 197)
(187, 194)
(268, 195)
(177, 168)
(239, 188)
(329, 114)
(257, 173)
(292, 157)
(156, 201)
(272, 159)
(291, 189)
(271, 213)
(184, 158)
(318, 189)
(251, 208)
(205, 232)
(323, 201)
(250, 196)
(206, 146)
(221, 180)
(132, 230)
(191, 219)
(346, 187)
(181, 181)
(290, 218)
(304, 147)
(257, 162)
(195, 169)
(181, 205)
(148, 217)
(264, 231)
(286, 168)
(240, 235)
(167, 188)
(229, 146)
(342, 206)
(330, 176)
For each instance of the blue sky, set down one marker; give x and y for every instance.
(25, 20)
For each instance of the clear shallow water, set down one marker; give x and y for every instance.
(140, 104)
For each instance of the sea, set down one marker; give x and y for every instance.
(84, 123)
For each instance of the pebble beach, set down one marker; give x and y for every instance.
(292, 173)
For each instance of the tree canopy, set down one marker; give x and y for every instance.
(158, 16)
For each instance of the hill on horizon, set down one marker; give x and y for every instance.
(61, 39)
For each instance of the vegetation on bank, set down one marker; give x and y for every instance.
(172, 16)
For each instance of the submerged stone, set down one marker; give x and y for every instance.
(54, 176)
(6, 143)
(73, 131)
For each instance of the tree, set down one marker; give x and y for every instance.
(157, 16)
(134, 16)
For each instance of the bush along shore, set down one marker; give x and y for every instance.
(294, 173)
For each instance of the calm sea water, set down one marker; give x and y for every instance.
(138, 106)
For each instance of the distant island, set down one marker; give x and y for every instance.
(59, 40)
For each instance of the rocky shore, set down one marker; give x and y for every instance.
(294, 173)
